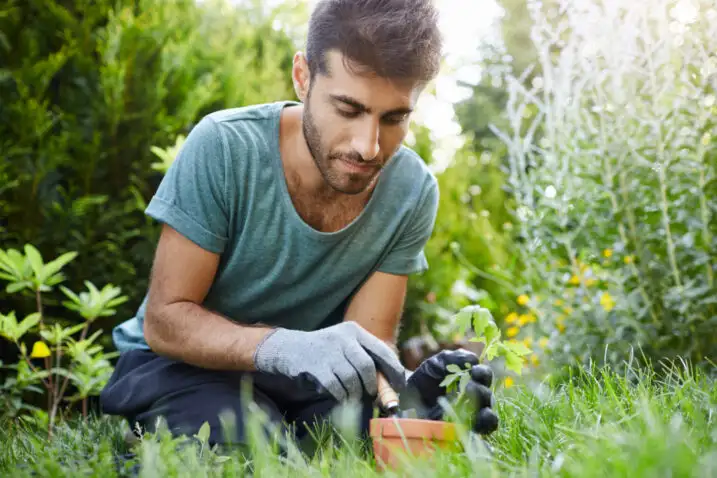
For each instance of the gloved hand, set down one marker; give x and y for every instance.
(341, 359)
(424, 386)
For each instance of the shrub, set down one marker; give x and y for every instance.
(88, 88)
(59, 358)
(613, 163)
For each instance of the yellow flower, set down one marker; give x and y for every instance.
(574, 280)
(526, 319)
(523, 299)
(534, 360)
(511, 318)
(512, 331)
(543, 342)
(560, 323)
(590, 282)
(607, 253)
(508, 382)
(628, 259)
(568, 310)
(558, 302)
(528, 341)
(39, 350)
(607, 301)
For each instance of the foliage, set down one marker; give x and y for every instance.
(478, 322)
(471, 252)
(88, 89)
(613, 168)
(599, 423)
(86, 365)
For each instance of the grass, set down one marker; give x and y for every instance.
(594, 424)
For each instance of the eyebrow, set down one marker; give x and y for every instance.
(363, 108)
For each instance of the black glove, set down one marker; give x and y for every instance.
(423, 388)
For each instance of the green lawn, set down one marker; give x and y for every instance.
(597, 424)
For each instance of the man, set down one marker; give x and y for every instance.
(289, 232)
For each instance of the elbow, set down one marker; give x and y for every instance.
(153, 329)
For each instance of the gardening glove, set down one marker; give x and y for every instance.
(342, 360)
(423, 388)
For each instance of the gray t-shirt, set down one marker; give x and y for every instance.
(226, 192)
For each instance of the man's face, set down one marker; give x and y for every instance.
(354, 124)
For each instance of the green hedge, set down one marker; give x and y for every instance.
(87, 89)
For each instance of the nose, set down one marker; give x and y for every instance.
(365, 139)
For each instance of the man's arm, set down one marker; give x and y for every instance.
(177, 326)
(378, 306)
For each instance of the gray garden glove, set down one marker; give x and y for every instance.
(341, 359)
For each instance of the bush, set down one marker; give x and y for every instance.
(62, 355)
(613, 162)
(88, 88)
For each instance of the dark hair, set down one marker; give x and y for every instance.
(395, 39)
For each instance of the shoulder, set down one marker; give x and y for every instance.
(257, 113)
(244, 124)
(411, 177)
(243, 135)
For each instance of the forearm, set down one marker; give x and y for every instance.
(188, 332)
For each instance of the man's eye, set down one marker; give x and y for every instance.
(395, 119)
(348, 114)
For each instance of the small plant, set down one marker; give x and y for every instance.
(66, 357)
(479, 321)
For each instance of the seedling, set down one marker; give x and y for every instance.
(479, 320)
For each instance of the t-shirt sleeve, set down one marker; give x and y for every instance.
(192, 197)
(407, 255)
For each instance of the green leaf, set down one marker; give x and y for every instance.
(465, 379)
(52, 268)
(462, 320)
(492, 332)
(70, 294)
(17, 286)
(204, 431)
(29, 322)
(8, 326)
(33, 255)
(482, 320)
(513, 362)
(448, 380)
(7, 277)
(517, 348)
(492, 350)
(453, 368)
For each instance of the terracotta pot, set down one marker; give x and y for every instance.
(395, 439)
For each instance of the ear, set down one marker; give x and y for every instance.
(301, 76)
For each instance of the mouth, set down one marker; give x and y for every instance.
(358, 167)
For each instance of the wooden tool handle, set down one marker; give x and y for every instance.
(387, 396)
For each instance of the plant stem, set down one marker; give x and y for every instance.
(706, 236)
(662, 166)
(32, 367)
(666, 224)
(65, 382)
(48, 360)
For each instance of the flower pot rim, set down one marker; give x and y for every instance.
(412, 428)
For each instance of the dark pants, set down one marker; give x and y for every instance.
(146, 386)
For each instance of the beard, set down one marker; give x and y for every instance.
(329, 163)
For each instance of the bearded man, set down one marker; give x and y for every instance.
(289, 231)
